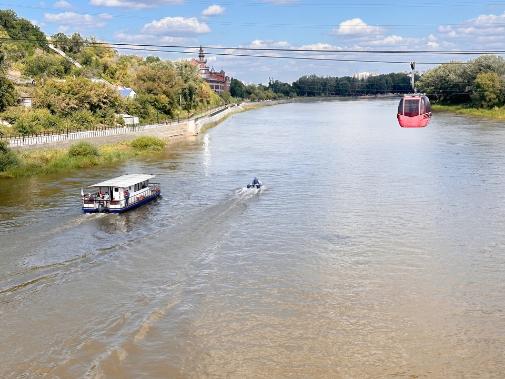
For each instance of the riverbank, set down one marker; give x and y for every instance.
(491, 114)
(106, 151)
(78, 156)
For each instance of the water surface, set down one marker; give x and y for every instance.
(373, 251)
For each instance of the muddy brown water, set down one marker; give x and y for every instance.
(372, 252)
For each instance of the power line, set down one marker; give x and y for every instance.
(284, 49)
(326, 51)
(229, 51)
(289, 57)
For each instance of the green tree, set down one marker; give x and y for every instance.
(237, 88)
(8, 95)
(47, 65)
(455, 83)
(447, 83)
(281, 88)
(21, 29)
(37, 121)
(161, 85)
(152, 59)
(75, 94)
(488, 90)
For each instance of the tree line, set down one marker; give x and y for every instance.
(313, 85)
(478, 83)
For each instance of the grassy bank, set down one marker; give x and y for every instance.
(78, 156)
(492, 114)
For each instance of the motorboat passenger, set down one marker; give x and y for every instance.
(256, 183)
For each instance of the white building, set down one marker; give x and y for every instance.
(364, 75)
(127, 93)
(26, 101)
(130, 120)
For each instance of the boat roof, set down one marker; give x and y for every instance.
(124, 180)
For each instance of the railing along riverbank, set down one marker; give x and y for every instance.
(192, 126)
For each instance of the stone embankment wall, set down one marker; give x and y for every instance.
(174, 129)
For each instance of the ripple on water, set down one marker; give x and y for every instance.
(372, 252)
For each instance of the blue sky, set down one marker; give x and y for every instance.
(323, 24)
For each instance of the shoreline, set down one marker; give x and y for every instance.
(54, 158)
(494, 114)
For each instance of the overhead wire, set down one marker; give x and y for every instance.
(230, 51)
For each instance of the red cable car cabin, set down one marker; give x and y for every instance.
(414, 111)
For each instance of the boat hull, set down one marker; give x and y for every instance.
(137, 204)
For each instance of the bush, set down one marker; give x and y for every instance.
(7, 157)
(83, 149)
(488, 90)
(8, 95)
(77, 94)
(83, 119)
(147, 143)
(12, 114)
(47, 65)
(36, 121)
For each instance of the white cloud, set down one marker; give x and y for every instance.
(134, 3)
(213, 10)
(483, 25)
(77, 19)
(432, 42)
(320, 46)
(356, 27)
(390, 40)
(482, 31)
(62, 4)
(176, 26)
(261, 44)
(150, 39)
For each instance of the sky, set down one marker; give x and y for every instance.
(316, 24)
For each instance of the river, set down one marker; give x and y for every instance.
(373, 251)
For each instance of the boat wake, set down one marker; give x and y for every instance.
(52, 263)
(245, 192)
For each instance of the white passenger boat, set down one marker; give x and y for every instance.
(120, 194)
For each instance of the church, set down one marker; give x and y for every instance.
(217, 80)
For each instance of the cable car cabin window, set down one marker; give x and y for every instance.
(422, 108)
(400, 107)
(428, 105)
(411, 108)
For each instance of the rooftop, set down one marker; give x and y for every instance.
(124, 180)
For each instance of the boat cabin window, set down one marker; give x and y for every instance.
(116, 189)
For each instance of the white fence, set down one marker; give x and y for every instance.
(42, 139)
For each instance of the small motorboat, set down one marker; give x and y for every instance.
(256, 183)
(120, 194)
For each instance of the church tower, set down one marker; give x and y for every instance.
(201, 55)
